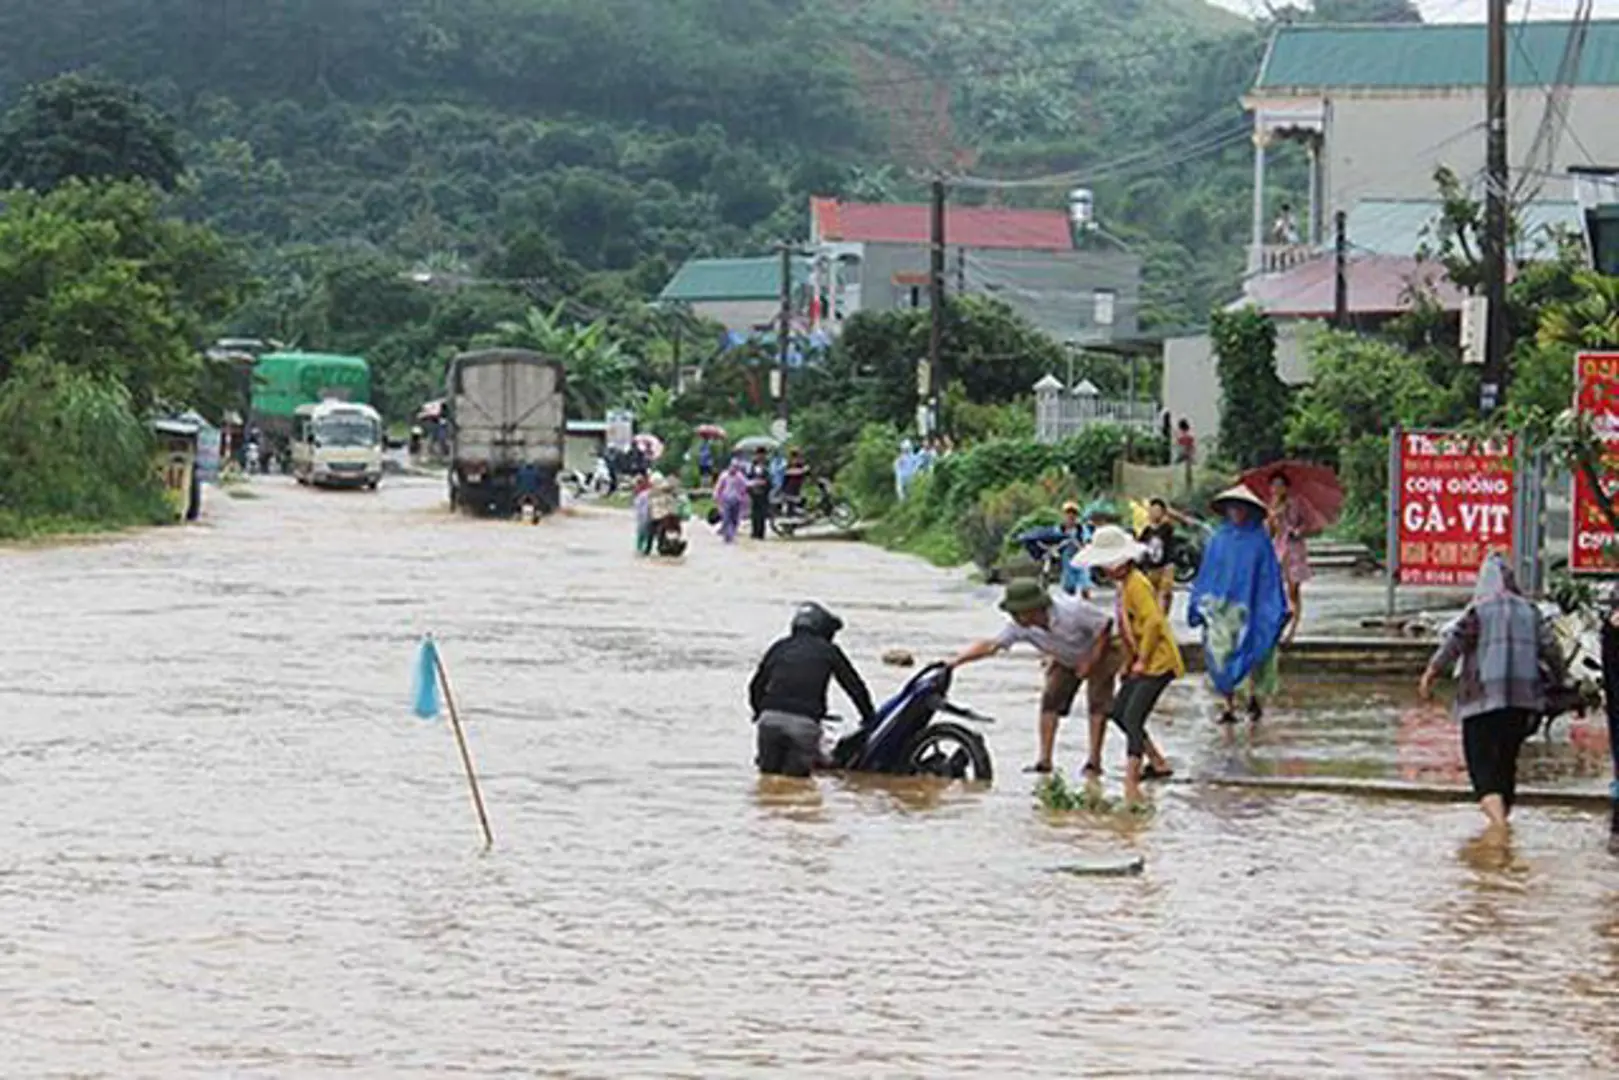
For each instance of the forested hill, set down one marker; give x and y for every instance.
(634, 133)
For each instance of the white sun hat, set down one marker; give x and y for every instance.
(1110, 546)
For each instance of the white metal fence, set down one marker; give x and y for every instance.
(1060, 416)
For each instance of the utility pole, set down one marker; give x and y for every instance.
(936, 299)
(1495, 212)
(1340, 296)
(784, 332)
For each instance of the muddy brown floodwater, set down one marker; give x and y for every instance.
(227, 848)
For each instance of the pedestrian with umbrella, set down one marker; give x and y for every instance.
(1303, 500)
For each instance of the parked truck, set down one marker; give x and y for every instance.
(507, 432)
(284, 381)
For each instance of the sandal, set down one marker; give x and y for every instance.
(1092, 769)
(1256, 711)
(1227, 717)
(1041, 767)
(1148, 772)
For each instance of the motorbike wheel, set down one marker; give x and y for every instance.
(783, 527)
(1185, 568)
(843, 514)
(949, 751)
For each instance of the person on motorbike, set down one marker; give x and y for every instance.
(792, 483)
(788, 692)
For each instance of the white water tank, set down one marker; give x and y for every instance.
(1082, 209)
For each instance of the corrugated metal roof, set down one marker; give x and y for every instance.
(964, 226)
(1414, 56)
(731, 279)
(1378, 285)
(1398, 226)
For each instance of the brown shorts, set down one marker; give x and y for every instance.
(1062, 685)
(1163, 578)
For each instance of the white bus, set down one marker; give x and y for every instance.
(337, 444)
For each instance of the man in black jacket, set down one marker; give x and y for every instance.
(788, 692)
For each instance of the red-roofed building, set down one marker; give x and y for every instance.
(874, 257)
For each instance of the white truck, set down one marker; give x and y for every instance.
(508, 432)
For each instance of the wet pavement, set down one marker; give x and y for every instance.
(229, 849)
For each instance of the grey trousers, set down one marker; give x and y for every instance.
(789, 745)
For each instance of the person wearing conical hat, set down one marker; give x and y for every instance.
(1153, 660)
(1075, 636)
(1240, 603)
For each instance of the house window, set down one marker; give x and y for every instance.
(1102, 301)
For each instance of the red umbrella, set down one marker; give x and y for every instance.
(1314, 488)
(710, 431)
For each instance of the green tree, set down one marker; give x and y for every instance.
(1253, 398)
(78, 128)
(94, 277)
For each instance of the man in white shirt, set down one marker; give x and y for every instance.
(1076, 638)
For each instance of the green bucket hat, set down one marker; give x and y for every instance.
(1022, 596)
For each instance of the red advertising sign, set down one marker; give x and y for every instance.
(1456, 504)
(1596, 395)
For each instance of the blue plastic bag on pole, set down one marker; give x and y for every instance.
(425, 695)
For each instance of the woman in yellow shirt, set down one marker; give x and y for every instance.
(1153, 659)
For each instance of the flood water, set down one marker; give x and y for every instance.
(228, 849)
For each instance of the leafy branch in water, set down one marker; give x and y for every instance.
(1055, 793)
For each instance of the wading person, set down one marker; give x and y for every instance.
(1500, 696)
(730, 491)
(1153, 660)
(1075, 637)
(759, 492)
(1240, 603)
(1287, 525)
(788, 692)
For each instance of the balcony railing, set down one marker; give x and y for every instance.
(1276, 258)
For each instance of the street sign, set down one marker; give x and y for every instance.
(1475, 328)
(1593, 541)
(1456, 497)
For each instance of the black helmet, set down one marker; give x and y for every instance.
(812, 618)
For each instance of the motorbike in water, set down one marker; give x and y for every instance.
(908, 738)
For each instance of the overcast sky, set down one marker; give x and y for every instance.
(1468, 10)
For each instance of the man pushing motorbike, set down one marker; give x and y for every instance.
(788, 692)
(1077, 639)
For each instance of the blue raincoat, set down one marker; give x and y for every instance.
(1239, 601)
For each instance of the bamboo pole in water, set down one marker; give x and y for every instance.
(466, 755)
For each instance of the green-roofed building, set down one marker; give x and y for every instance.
(1378, 108)
(741, 294)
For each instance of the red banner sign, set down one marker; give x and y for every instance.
(1456, 504)
(1592, 539)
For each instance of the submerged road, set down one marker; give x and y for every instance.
(228, 849)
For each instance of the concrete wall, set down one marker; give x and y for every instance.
(1053, 290)
(739, 314)
(1387, 145)
(1192, 380)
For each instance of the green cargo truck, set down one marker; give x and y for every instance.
(283, 381)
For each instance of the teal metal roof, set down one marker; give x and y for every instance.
(1415, 56)
(1400, 226)
(731, 279)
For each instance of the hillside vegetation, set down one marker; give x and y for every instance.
(588, 146)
